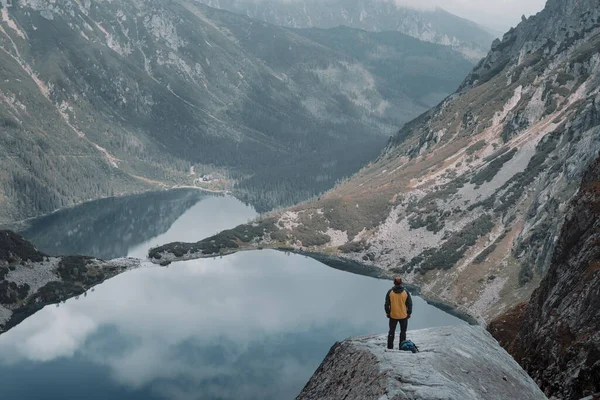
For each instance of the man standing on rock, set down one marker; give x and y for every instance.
(398, 308)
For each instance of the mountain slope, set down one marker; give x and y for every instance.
(102, 98)
(557, 335)
(435, 25)
(468, 199)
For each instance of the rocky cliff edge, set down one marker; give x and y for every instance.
(456, 362)
(556, 337)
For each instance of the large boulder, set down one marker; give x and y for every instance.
(456, 362)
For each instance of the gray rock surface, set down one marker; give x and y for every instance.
(458, 362)
(558, 337)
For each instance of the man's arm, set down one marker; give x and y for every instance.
(408, 303)
(388, 305)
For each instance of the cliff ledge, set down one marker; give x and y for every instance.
(456, 362)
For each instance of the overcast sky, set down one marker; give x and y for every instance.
(497, 14)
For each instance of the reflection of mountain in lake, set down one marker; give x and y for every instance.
(91, 228)
(251, 326)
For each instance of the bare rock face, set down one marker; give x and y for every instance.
(558, 342)
(458, 362)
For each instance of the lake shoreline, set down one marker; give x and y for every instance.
(23, 224)
(379, 273)
(342, 264)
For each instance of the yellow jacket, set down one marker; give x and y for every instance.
(398, 303)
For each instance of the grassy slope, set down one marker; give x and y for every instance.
(468, 198)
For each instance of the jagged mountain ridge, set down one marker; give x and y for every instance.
(431, 25)
(468, 199)
(103, 98)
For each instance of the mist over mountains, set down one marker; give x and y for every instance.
(105, 98)
(427, 23)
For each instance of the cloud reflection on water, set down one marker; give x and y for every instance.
(255, 323)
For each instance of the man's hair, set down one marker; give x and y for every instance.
(397, 281)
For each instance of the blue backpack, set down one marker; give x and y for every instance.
(408, 345)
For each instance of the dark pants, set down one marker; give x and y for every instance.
(392, 333)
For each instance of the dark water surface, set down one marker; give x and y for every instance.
(253, 325)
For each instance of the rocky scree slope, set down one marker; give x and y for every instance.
(557, 335)
(30, 280)
(102, 98)
(434, 25)
(468, 199)
(457, 362)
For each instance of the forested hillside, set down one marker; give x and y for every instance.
(103, 98)
(92, 226)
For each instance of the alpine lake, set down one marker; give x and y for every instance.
(253, 325)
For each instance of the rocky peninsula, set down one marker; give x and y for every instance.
(30, 279)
